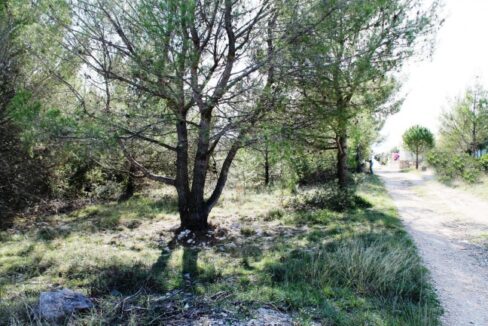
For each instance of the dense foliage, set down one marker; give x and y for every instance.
(23, 177)
(450, 165)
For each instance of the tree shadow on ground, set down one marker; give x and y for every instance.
(130, 278)
(190, 262)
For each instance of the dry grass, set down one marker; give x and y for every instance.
(479, 189)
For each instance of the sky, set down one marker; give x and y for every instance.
(459, 60)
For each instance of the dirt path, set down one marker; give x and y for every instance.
(447, 225)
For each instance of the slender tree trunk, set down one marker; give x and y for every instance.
(358, 160)
(342, 161)
(417, 159)
(474, 143)
(266, 165)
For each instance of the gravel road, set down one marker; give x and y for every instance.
(448, 226)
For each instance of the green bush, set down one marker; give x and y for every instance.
(274, 214)
(330, 196)
(450, 166)
(484, 162)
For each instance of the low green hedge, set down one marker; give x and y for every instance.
(450, 166)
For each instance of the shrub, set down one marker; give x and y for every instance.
(247, 231)
(274, 214)
(330, 196)
(24, 178)
(313, 169)
(450, 166)
(108, 221)
(484, 162)
(46, 233)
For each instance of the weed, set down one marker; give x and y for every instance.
(46, 233)
(274, 214)
(247, 231)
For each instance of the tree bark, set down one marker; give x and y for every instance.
(129, 187)
(474, 143)
(417, 159)
(342, 161)
(182, 178)
(359, 167)
(194, 218)
(266, 165)
(195, 215)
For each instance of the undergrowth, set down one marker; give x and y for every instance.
(352, 267)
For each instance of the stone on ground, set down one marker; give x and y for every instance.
(59, 304)
(270, 317)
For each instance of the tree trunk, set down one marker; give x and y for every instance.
(358, 160)
(129, 185)
(266, 165)
(200, 166)
(191, 204)
(342, 161)
(194, 218)
(417, 159)
(190, 217)
(474, 142)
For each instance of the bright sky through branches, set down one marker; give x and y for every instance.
(461, 55)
